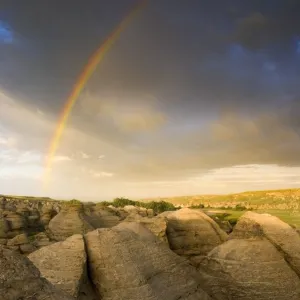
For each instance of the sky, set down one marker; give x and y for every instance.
(195, 97)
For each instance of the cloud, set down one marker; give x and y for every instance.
(84, 155)
(197, 94)
(258, 30)
(19, 157)
(6, 35)
(58, 158)
(253, 31)
(129, 114)
(100, 174)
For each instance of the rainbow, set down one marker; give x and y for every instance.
(87, 72)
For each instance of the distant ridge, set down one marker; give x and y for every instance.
(263, 199)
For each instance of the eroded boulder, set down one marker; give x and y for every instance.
(125, 265)
(191, 233)
(248, 269)
(157, 225)
(63, 264)
(280, 234)
(20, 279)
(69, 221)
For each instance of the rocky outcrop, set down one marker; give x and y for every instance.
(63, 264)
(21, 243)
(142, 211)
(102, 217)
(157, 225)
(192, 233)
(223, 224)
(15, 223)
(246, 269)
(277, 232)
(69, 221)
(125, 265)
(47, 213)
(20, 279)
(4, 227)
(40, 240)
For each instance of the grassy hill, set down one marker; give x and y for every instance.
(268, 199)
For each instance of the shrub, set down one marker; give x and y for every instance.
(197, 206)
(158, 207)
(104, 203)
(121, 202)
(74, 202)
(240, 207)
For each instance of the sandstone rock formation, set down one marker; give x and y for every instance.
(40, 240)
(101, 217)
(248, 269)
(277, 232)
(192, 234)
(70, 220)
(21, 243)
(63, 264)
(157, 225)
(20, 279)
(16, 223)
(125, 265)
(144, 212)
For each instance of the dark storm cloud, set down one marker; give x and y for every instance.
(277, 25)
(176, 51)
(195, 60)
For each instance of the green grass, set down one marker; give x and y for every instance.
(288, 216)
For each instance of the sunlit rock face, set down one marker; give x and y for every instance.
(281, 235)
(131, 263)
(192, 233)
(246, 269)
(20, 279)
(64, 265)
(70, 220)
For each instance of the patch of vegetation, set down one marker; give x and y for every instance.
(199, 206)
(73, 202)
(157, 206)
(240, 207)
(103, 204)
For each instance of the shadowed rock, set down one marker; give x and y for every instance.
(281, 235)
(192, 234)
(157, 225)
(248, 269)
(69, 221)
(20, 279)
(126, 265)
(63, 264)
(101, 217)
(16, 223)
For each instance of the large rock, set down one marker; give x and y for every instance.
(191, 233)
(47, 213)
(157, 225)
(40, 240)
(248, 269)
(20, 279)
(16, 223)
(63, 264)
(277, 232)
(69, 221)
(18, 240)
(126, 265)
(4, 227)
(144, 212)
(102, 217)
